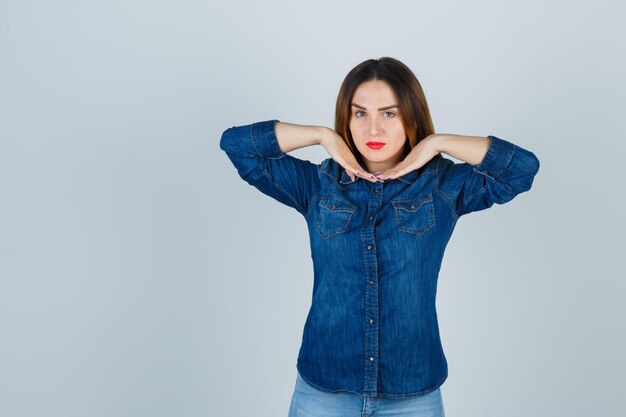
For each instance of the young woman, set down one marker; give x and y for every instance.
(380, 212)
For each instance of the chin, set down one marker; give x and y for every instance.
(376, 155)
(380, 158)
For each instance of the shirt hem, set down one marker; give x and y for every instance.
(376, 394)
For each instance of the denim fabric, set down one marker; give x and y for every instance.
(377, 249)
(307, 401)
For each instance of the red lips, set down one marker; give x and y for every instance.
(375, 145)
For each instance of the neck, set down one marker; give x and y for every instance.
(374, 167)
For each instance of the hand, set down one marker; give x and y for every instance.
(421, 153)
(339, 151)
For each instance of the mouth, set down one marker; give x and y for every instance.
(375, 145)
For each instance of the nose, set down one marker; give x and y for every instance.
(373, 128)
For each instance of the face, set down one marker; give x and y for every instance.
(376, 125)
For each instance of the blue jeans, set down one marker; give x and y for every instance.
(307, 401)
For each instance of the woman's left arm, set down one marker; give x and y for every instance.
(494, 171)
(470, 149)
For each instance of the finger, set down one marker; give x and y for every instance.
(352, 172)
(393, 173)
(367, 175)
(360, 172)
(400, 171)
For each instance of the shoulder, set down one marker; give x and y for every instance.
(331, 168)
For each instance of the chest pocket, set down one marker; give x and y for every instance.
(334, 216)
(415, 215)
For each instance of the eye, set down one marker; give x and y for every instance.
(357, 113)
(390, 112)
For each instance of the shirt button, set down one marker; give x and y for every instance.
(371, 217)
(371, 321)
(332, 207)
(376, 190)
(412, 206)
(369, 247)
(371, 281)
(371, 358)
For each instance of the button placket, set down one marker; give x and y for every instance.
(368, 241)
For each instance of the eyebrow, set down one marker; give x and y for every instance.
(382, 108)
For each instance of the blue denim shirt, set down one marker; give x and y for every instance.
(377, 249)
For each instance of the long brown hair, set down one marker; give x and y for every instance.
(411, 99)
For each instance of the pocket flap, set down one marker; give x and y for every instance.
(336, 204)
(412, 204)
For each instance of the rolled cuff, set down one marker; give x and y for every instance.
(497, 158)
(264, 138)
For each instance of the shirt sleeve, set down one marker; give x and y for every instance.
(254, 151)
(506, 171)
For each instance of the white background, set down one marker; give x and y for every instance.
(140, 276)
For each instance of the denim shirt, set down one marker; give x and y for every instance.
(377, 249)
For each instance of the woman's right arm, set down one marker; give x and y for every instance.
(259, 152)
(292, 136)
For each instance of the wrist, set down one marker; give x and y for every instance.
(322, 133)
(437, 142)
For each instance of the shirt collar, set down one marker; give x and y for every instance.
(331, 168)
(407, 178)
